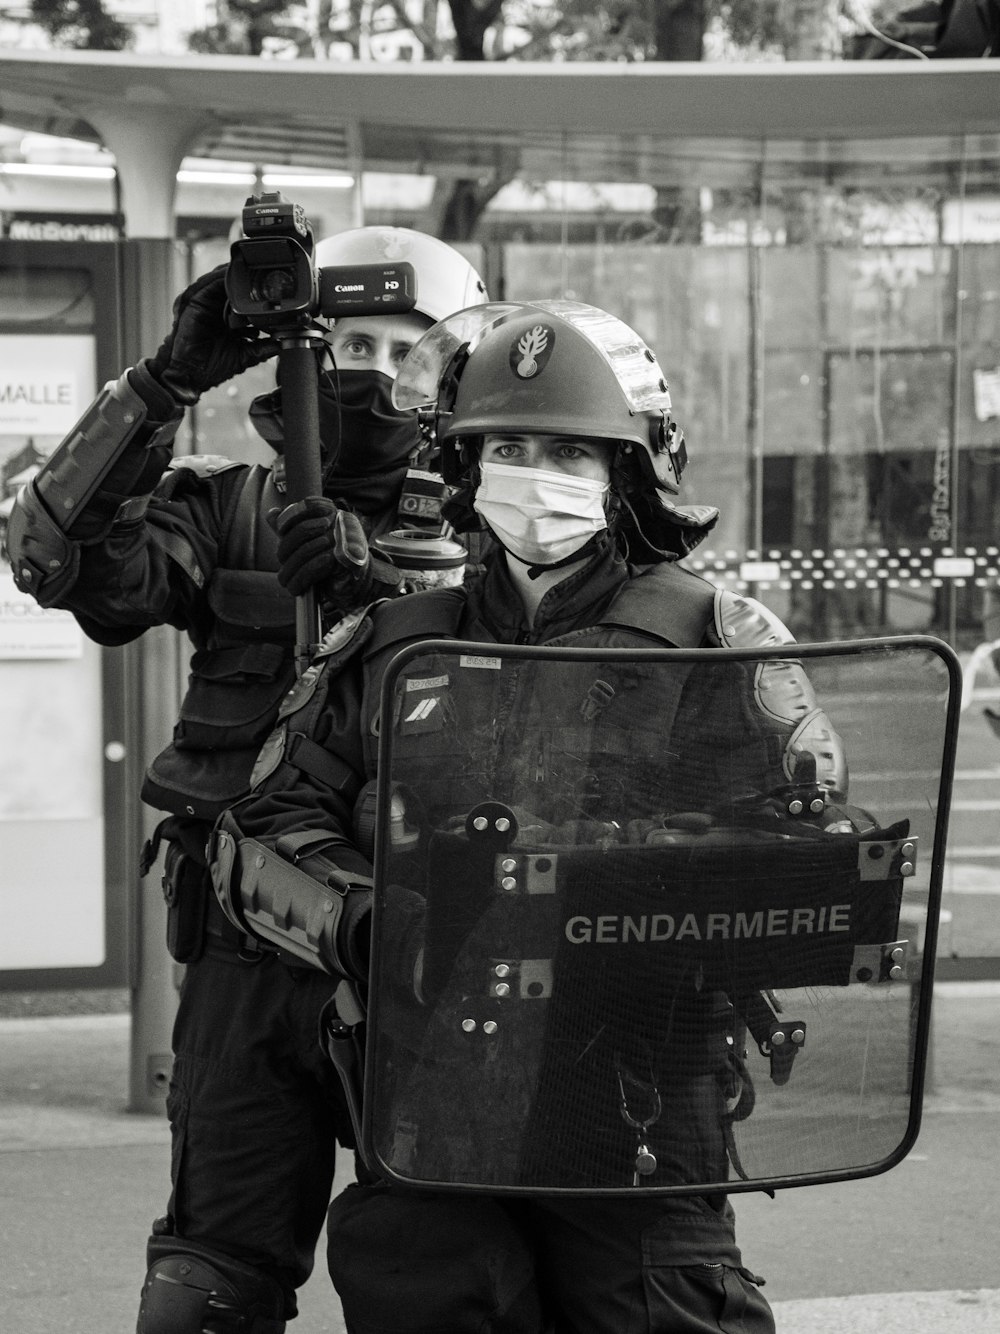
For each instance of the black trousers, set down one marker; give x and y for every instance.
(255, 1112)
(406, 1262)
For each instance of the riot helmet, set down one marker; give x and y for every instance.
(363, 435)
(557, 368)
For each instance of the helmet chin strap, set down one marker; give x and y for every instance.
(589, 548)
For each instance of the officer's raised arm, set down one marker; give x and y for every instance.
(120, 447)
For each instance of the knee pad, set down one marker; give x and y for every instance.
(191, 1290)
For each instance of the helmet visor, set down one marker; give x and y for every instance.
(631, 361)
(416, 384)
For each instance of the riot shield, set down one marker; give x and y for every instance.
(655, 919)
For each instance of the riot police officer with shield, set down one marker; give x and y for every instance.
(554, 425)
(125, 537)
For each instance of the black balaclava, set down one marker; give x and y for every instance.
(366, 442)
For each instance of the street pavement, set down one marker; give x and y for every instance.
(915, 1249)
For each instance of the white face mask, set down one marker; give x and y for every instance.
(539, 516)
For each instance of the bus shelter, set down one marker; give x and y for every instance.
(813, 250)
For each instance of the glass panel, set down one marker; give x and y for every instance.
(894, 402)
(52, 873)
(56, 298)
(890, 298)
(660, 945)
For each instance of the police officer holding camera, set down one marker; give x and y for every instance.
(125, 537)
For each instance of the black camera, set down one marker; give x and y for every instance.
(273, 283)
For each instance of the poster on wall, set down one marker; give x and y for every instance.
(51, 787)
(45, 383)
(29, 631)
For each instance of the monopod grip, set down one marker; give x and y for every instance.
(303, 468)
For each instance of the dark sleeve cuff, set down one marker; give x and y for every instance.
(162, 404)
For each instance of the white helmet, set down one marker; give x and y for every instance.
(446, 281)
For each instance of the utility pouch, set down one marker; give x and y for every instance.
(186, 891)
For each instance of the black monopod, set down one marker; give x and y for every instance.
(297, 363)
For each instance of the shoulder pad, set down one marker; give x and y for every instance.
(742, 622)
(666, 601)
(433, 613)
(337, 645)
(346, 631)
(351, 631)
(782, 690)
(203, 465)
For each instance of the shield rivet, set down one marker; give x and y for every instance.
(468, 1025)
(490, 1027)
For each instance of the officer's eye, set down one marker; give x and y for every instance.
(504, 449)
(356, 347)
(577, 451)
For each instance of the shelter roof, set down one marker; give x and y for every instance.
(583, 121)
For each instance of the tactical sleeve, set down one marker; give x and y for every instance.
(293, 896)
(285, 862)
(117, 450)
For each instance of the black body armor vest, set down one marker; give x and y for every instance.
(238, 678)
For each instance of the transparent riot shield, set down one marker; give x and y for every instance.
(655, 920)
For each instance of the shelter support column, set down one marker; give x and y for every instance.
(149, 143)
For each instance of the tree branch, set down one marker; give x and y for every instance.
(427, 39)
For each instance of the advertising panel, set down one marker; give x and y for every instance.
(52, 875)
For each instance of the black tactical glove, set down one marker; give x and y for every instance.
(323, 547)
(201, 350)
